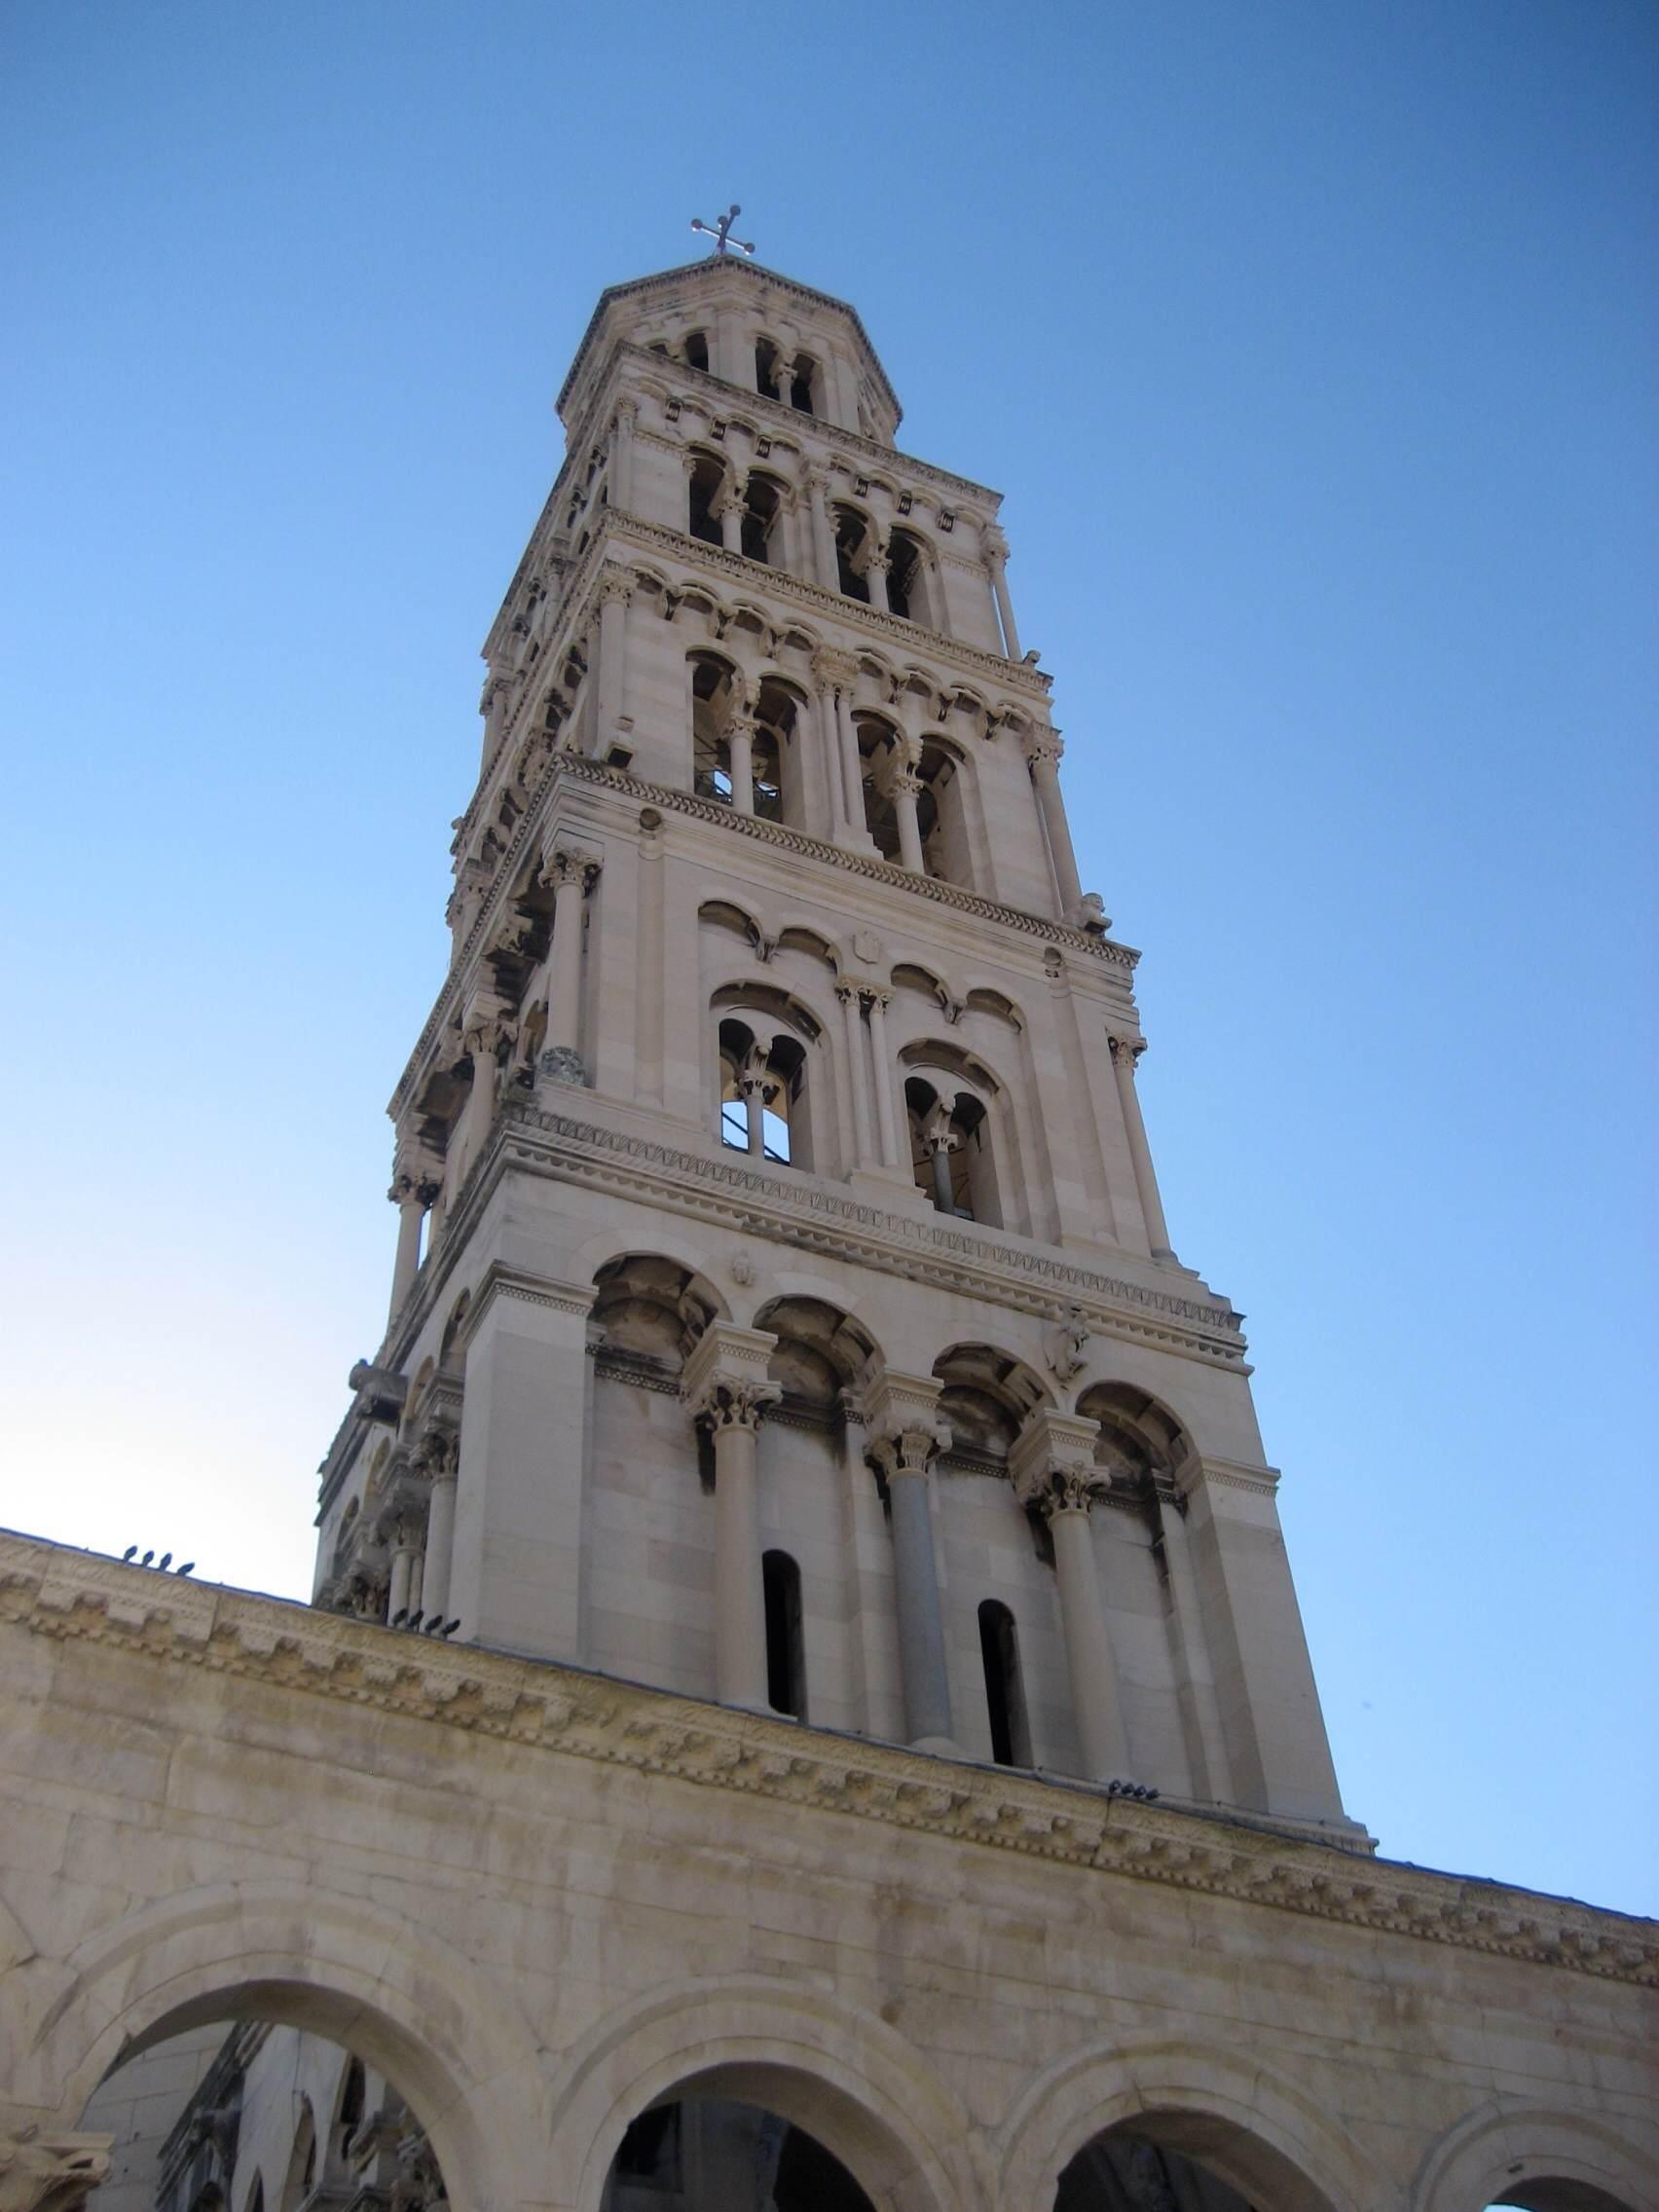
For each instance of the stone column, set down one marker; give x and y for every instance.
(740, 738)
(1043, 750)
(886, 1119)
(852, 764)
(622, 456)
(650, 949)
(731, 513)
(904, 788)
(724, 1385)
(823, 535)
(1124, 1053)
(875, 576)
(757, 1087)
(402, 1569)
(443, 1458)
(851, 998)
(941, 1139)
(408, 1197)
(1053, 1469)
(571, 875)
(614, 594)
(996, 560)
(829, 744)
(1206, 1743)
(903, 1441)
(481, 1033)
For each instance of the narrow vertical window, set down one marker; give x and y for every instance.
(786, 1651)
(1004, 1692)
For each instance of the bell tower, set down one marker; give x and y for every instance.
(784, 1312)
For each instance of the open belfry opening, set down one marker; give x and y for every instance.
(804, 1704)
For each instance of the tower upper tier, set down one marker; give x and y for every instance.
(749, 327)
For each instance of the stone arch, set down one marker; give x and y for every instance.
(952, 1096)
(1252, 2127)
(987, 1395)
(652, 1305)
(821, 1350)
(451, 2039)
(842, 2075)
(1542, 2160)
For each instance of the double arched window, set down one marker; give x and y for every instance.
(762, 1084)
(952, 1157)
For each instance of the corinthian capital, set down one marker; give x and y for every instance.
(734, 1405)
(569, 864)
(1053, 1466)
(1043, 748)
(908, 1451)
(1126, 1051)
(613, 585)
(724, 1383)
(995, 545)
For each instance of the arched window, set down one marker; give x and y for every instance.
(805, 385)
(703, 485)
(763, 1079)
(1005, 1689)
(950, 1153)
(714, 689)
(763, 519)
(697, 350)
(899, 771)
(770, 371)
(910, 584)
(786, 1649)
(855, 543)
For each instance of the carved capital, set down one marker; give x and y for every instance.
(569, 864)
(50, 2173)
(995, 546)
(908, 1451)
(1053, 1466)
(1126, 1051)
(1043, 748)
(835, 670)
(939, 1133)
(754, 1079)
(628, 412)
(613, 585)
(733, 1405)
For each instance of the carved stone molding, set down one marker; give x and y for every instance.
(292, 1649)
(50, 2173)
(1053, 1466)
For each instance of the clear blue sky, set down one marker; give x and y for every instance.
(1314, 348)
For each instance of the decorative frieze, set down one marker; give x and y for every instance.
(544, 1708)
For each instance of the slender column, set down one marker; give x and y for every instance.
(614, 594)
(886, 1119)
(829, 744)
(571, 874)
(648, 1002)
(850, 996)
(1124, 1052)
(740, 737)
(1055, 1471)
(406, 1195)
(1211, 1777)
(903, 1446)
(903, 786)
(732, 514)
(823, 536)
(875, 576)
(483, 1035)
(402, 1566)
(1043, 750)
(440, 1525)
(852, 764)
(726, 1386)
(996, 559)
(759, 1087)
(622, 456)
(941, 1139)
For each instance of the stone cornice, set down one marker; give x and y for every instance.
(812, 1216)
(544, 1708)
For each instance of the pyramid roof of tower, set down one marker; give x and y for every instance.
(725, 264)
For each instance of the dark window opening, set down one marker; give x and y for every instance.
(651, 2149)
(704, 489)
(697, 350)
(1005, 1692)
(800, 388)
(850, 538)
(768, 370)
(786, 1652)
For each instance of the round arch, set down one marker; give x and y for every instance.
(381, 1985)
(843, 2075)
(1545, 2161)
(1251, 2127)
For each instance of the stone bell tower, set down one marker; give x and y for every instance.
(784, 1312)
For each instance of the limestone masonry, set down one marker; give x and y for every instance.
(804, 1706)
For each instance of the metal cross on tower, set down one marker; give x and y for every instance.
(721, 232)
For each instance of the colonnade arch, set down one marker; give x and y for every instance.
(1537, 2161)
(448, 2034)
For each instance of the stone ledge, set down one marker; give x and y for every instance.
(538, 1706)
